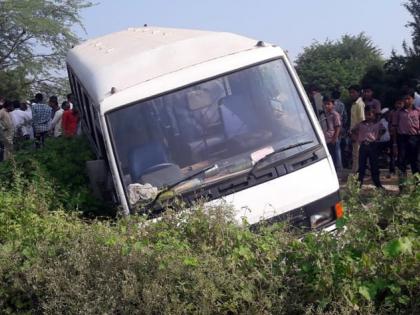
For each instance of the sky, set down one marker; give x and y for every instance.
(292, 24)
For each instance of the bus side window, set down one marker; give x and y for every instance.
(72, 82)
(88, 109)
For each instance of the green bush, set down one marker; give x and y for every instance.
(201, 262)
(60, 165)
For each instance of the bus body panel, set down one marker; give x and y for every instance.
(282, 194)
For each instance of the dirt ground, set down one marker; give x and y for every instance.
(389, 182)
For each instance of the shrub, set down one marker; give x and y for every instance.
(201, 262)
(60, 165)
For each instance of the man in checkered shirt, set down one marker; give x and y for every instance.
(41, 117)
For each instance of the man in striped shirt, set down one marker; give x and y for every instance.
(41, 117)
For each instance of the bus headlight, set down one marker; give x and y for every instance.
(322, 217)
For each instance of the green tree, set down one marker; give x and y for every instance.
(337, 63)
(399, 71)
(13, 84)
(413, 7)
(35, 36)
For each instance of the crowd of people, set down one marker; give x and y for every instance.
(359, 135)
(35, 120)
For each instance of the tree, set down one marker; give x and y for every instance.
(35, 36)
(413, 7)
(400, 71)
(13, 84)
(340, 63)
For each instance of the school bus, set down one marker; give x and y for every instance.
(202, 114)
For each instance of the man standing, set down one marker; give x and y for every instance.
(6, 130)
(55, 125)
(357, 115)
(370, 101)
(41, 117)
(69, 120)
(332, 133)
(27, 130)
(407, 126)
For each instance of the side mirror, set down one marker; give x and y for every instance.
(97, 173)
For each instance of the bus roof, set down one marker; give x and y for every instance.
(125, 59)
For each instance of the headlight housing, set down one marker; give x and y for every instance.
(322, 217)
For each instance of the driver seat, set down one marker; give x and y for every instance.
(145, 157)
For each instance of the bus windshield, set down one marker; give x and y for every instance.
(230, 122)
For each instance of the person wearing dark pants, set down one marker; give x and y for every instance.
(40, 139)
(369, 151)
(386, 148)
(408, 148)
(407, 126)
(367, 133)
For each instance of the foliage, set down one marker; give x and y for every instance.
(390, 81)
(35, 36)
(338, 63)
(413, 7)
(61, 166)
(13, 84)
(201, 262)
(399, 72)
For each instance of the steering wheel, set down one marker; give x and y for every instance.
(157, 167)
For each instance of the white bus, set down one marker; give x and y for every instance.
(202, 115)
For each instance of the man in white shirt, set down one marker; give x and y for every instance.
(55, 125)
(27, 128)
(22, 120)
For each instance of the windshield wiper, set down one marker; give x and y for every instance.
(282, 149)
(170, 187)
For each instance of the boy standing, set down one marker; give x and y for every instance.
(407, 125)
(366, 134)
